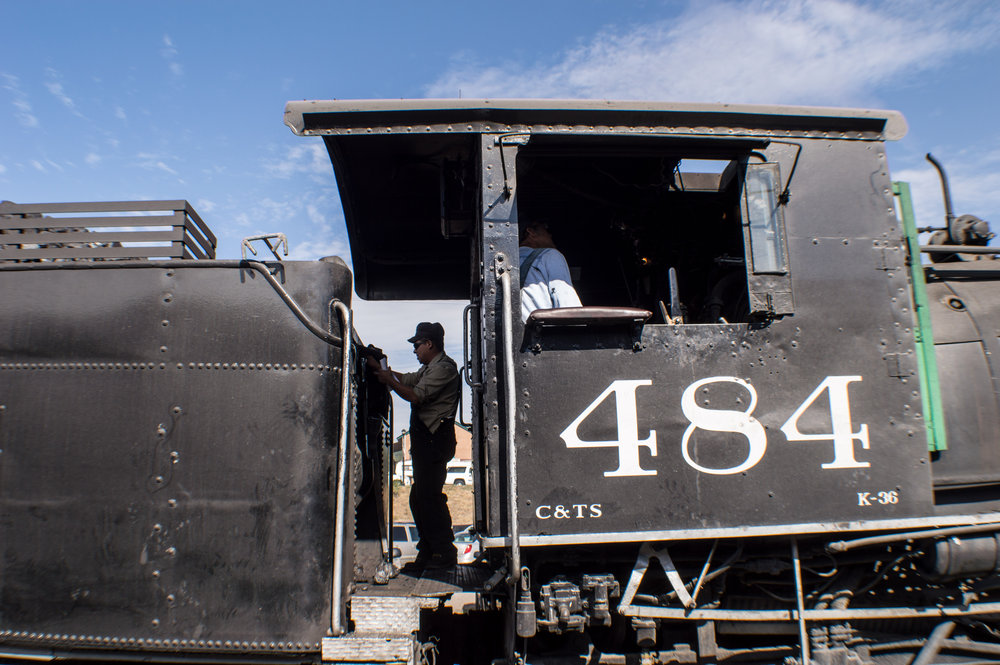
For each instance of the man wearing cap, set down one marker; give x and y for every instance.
(432, 392)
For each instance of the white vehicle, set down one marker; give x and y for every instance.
(467, 545)
(405, 538)
(459, 473)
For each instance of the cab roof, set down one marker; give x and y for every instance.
(389, 157)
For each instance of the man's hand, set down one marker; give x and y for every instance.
(383, 375)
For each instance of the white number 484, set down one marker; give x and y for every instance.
(842, 434)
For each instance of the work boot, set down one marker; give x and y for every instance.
(439, 561)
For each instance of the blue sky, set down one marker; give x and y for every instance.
(184, 100)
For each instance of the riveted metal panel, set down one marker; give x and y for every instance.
(963, 305)
(168, 436)
(851, 332)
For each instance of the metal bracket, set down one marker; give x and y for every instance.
(514, 138)
(267, 238)
(647, 554)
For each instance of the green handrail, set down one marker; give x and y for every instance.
(923, 335)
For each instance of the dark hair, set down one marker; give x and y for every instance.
(530, 224)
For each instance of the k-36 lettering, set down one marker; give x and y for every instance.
(884, 498)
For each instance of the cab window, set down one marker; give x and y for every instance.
(692, 235)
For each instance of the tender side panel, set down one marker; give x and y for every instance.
(168, 439)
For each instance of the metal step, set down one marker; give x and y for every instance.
(385, 615)
(355, 649)
(384, 632)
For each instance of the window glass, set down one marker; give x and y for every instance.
(766, 235)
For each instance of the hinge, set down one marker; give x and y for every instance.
(887, 258)
(894, 366)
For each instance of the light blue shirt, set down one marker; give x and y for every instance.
(548, 283)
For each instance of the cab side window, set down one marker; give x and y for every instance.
(691, 237)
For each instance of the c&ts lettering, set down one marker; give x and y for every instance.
(573, 511)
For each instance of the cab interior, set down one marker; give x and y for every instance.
(657, 228)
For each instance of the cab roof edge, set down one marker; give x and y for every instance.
(893, 128)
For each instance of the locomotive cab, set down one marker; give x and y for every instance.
(745, 312)
(741, 390)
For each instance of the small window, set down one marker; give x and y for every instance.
(767, 231)
(770, 285)
(399, 534)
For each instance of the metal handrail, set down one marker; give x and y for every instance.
(337, 624)
(310, 325)
(503, 275)
(466, 351)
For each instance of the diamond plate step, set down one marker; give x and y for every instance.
(391, 615)
(355, 649)
(383, 632)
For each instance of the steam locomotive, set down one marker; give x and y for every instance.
(770, 435)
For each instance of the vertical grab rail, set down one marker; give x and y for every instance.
(337, 626)
(503, 275)
(466, 352)
(800, 603)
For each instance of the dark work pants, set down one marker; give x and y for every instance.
(429, 505)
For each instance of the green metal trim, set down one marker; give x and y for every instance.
(923, 335)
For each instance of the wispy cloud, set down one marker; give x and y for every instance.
(92, 159)
(759, 51)
(120, 113)
(205, 206)
(154, 162)
(308, 159)
(169, 53)
(22, 107)
(310, 250)
(55, 88)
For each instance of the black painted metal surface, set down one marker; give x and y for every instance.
(965, 308)
(168, 437)
(673, 447)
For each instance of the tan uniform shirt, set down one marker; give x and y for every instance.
(436, 385)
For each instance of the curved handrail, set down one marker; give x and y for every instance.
(503, 275)
(337, 623)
